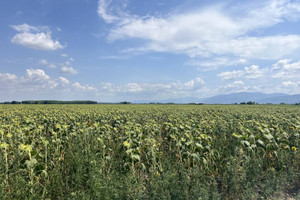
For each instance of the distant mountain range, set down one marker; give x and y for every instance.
(258, 97)
(261, 98)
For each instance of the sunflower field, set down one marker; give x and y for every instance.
(149, 151)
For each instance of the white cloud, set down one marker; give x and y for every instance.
(7, 77)
(37, 78)
(241, 86)
(231, 75)
(111, 14)
(102, 7)
(36, 74)
(64, 80)
(214, 63)
(194, 83)
(43, 62)
(281, 77)
(51, 66)
(288, 87)
(251, 72)
(107, 87)
(7, 80)
(154, 91)
(78, 86)
(64, 55)
(235, 84)
(284, 69)
(37, 84)
(242, 61)
(273, 12)
(24, 28)
(33, 80)
(267, 47)
(68, 70)
(39, 41)
(208, 31)
(291, 84)
(280, 64)
(33, 37)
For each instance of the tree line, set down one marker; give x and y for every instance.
(50, 102)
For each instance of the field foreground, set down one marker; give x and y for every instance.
(149, 152)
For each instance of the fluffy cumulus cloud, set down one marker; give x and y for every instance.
(231, 75)
(282, 77)
(37, 79)
(208, 31)
(235, 84)
(282, 69)
(68, 70)
(240, 86)
(37, 84)
(32, 80)
(39, 38)
(36, 74)
(64, 81)
(286, 69)
(80, 87)
(7, 80)
(290, 87)
(251, 72)
(291, 84)
(7, 77)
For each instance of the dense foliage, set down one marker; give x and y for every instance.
(149, 151)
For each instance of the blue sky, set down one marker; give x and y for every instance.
(135, 50)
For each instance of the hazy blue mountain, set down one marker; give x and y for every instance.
(288, 99)
(242, 97)
(258, 97)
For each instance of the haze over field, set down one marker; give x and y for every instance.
(145, 50)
